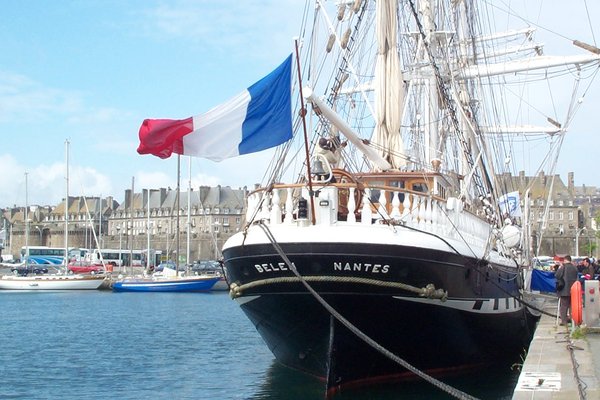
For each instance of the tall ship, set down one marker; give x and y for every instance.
(386, 243)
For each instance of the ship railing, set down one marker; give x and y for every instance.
(359, 203)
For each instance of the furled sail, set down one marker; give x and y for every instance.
(389, 93)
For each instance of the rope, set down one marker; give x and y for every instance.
(361, 335)
(581, 385)
(428, 291)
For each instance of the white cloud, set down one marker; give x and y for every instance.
(46, 183)
(22, 97)
(226, 26)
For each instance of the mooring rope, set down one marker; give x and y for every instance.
(581, 385)
(360, 334)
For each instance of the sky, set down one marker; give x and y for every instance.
(90, 71)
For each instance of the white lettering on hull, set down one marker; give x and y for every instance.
(361, 267)
(270, 267)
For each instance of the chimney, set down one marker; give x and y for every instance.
(145, 198)
(543, 178)
(571, 182)
(203, 192)
(127, 198)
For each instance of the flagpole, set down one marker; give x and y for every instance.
(303, 115)
(178, 208)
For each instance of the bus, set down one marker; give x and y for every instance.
(43, 255)
(78, 254)
(121, 257)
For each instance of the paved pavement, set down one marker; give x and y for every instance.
(560, 363)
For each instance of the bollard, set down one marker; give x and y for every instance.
(591, 306)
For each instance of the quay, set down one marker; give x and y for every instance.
(561, 363)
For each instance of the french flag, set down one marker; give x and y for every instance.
(257, 119)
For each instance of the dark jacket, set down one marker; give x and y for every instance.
(568, 272)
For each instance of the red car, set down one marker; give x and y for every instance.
(84, 267)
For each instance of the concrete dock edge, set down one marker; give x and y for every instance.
(559, 364)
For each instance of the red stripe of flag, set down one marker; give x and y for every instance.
(162, 137)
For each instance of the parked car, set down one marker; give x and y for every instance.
(206, 266)
(24, 270)
(84, 267)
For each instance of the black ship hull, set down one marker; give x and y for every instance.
(481, 321)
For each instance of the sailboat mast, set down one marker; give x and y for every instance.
(148, 232)
(130, 230)
(66, 237)
(26, 221)
(189, 210)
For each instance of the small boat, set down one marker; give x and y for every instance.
(161, 284)
(167, 280)
(51, 282)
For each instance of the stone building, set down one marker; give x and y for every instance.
(587, 198)
(156, 215)
(153, 215)
(555, 216)
(47, 224)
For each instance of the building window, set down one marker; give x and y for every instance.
(561, 215)
(571, 215)
(551, 215)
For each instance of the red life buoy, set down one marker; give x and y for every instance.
(576, 303)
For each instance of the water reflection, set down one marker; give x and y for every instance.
(495, 383)
(282, 383)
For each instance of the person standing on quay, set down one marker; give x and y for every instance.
(568, 273)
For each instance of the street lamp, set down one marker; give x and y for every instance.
(120, 247)
(40, 231)
(579, 231)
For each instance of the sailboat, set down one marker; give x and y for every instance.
(388, 250)
(61, 280)
(170, 279)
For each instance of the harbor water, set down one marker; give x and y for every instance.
(103, 345)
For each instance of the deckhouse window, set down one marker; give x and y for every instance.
(420, 187)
